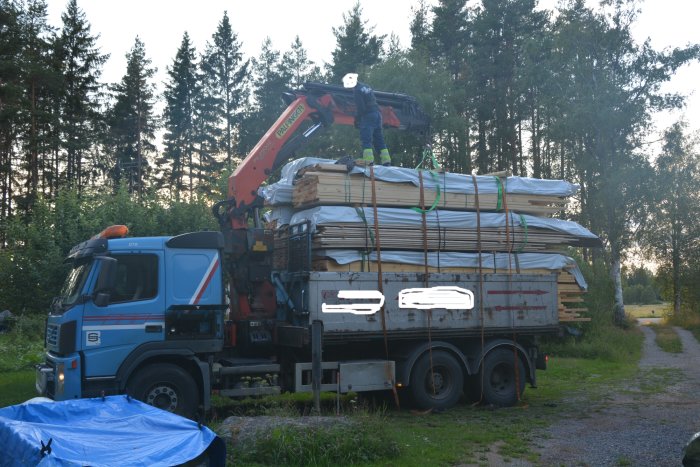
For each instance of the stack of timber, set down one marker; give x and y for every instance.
(331, 184)
(340, 207)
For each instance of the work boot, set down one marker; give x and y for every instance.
(367, 158)
(385, 157)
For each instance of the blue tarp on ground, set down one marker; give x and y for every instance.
(114, 431)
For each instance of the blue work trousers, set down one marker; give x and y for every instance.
(371, 134)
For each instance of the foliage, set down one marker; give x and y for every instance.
(31, 268)
(356, 47)
(22, 345)
(131, 121)
(225, 75)
(672, 235)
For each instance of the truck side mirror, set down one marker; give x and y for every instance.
(105, 281)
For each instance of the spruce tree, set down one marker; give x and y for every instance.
(269, 81)
(226, 74)
(176, 163)
(80, 111)
(356, 45)
(11, 104)
(131, 121)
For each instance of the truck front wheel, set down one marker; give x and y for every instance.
(500, 378)
(166, 386)
(438, 387)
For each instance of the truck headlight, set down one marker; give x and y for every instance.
(60, 378)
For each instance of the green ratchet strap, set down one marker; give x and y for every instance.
(499, 202)
(361, 214)
(523, 222)
(436, 166)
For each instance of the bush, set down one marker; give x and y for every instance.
(23, 346)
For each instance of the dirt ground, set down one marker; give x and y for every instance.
(641, 423)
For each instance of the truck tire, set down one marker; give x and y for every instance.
(499, 377)
(166, 386)
(440, 388)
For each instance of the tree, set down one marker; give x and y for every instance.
(447, 49)
(41, 86)
(297, 65)
(609, 88)
(11, 104)
(131, 120)
(226, 75)
(179, 139)
(420, 27)
(80, 111)
(673, 232)
(356, 46)
(269, 81)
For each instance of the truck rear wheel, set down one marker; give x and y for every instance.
(500, 379)
(166, 386)
(439, 388)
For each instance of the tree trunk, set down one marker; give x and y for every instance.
(616, 276)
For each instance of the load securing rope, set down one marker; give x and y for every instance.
(481, 282)
(380, 285)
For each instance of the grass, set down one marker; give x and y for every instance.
(667, 339)
(688, 320)
(647, 311)
(16, 387)
(463, 434)
(579, 369)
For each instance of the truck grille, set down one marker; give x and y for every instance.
(52, 336)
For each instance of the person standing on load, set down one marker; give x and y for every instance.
(369, 120)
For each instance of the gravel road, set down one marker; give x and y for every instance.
(641, 423)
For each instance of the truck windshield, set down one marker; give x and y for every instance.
(73, 286)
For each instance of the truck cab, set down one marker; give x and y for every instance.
(133, 316)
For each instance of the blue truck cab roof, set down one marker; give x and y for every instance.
(193, 240)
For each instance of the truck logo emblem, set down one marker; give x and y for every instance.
(93, 338)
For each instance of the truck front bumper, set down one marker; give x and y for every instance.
(59, 378)
(45, 380)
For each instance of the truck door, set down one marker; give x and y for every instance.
(134, 315)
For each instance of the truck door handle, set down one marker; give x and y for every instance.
(154, 328)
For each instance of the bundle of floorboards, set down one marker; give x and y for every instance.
(332, 188)
(330, 184)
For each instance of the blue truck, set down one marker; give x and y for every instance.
(173, 320)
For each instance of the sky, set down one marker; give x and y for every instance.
(161, 23)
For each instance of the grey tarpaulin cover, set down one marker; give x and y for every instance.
(109, 431)
(521, 261)
(281, 192)
(438, 219)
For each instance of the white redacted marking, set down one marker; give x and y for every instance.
(445, 297)
(356, 308)
(429, 298)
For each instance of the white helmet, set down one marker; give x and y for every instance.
(350, 80)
